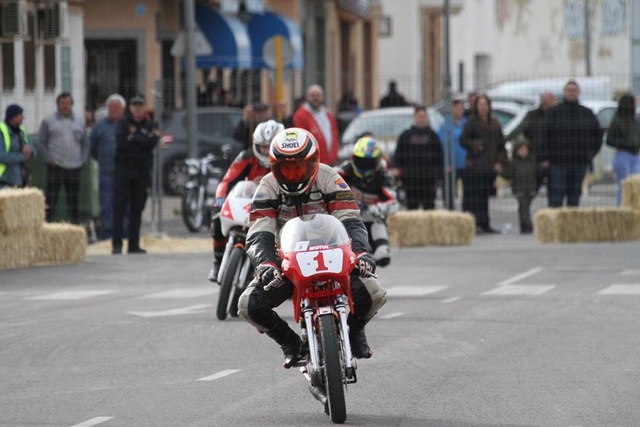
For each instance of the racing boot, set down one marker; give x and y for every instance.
(289, 341)
(359, 346)
(215, 268)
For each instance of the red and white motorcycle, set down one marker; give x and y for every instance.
(236, 270)
(317, 258)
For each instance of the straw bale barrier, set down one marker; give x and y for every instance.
(158, 244)
(17, 250)
(427, 228)
(60, 243)
(600, 224)
(631, 192)
(21, 210)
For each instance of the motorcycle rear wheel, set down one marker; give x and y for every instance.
(192, 214)
(332, 369)
(230, 277)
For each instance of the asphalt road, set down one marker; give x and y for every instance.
(505, 332)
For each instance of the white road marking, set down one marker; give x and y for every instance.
(520, 276)
(413, 291)
(630, 273)
(219, 375)
(192, 309)
(520, 290)
(586, 268)
(70, 295)
(391, 316)
(181, 293)
(452, 299)
(92, 422)
(621, 289)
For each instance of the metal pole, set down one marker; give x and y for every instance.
(156, 207)
(587, 37)
(449, 149)
(190, 77)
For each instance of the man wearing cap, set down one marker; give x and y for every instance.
(252, 116)
(136, 137)
(64, 146)
(15, 149)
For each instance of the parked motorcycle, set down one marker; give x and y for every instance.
(317, 259)
(200, 190)
(236, 270)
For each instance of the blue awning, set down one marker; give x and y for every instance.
(263, 27)
(228, 38)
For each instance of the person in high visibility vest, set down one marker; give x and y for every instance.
(15, 149)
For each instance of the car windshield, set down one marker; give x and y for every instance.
(302, 233)
(214, 124)
(382, 126)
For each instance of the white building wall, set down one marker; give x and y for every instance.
(513, 40)
(400, 56)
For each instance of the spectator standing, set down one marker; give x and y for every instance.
(624, 136)
(288, 121)
(532, 128)
(64, 146)
(453, 126)
(522, 172)
(420, 158)
(471, 100)
(136, 137)
(571, 138)
(393, 98)
(103, 150)
(314, 117)
(252, 116)
(483, 139)
(15, 149)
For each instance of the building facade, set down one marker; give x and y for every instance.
(41, 55)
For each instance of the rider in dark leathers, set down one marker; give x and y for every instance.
(374, 190)
(300, 185)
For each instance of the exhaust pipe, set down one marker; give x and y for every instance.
(319, 393)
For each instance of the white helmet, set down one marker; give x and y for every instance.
(262, 136)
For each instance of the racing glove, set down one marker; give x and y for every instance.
(268, 274)
(366, 265)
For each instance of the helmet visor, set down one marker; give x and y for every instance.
(294, 171)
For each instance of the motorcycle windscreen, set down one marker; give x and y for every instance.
(312, 232)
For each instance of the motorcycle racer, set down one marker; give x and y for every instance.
(299, 185)
(374, 191)
(251, 164)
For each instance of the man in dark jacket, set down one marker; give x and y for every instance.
(136, 137)
(252, 116)
(571, 137)
(420, 158)
(393, 98)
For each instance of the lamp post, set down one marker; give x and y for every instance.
(449, 149)
(190, 77)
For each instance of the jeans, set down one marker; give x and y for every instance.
(565, 180)
(625, 164)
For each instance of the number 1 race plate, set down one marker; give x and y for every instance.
(318, 262)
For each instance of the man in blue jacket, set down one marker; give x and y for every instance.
(15, 149)
(103, 150)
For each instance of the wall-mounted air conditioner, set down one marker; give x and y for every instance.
(13, 18)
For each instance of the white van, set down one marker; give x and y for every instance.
(591, 88)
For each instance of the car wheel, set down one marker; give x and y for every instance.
(176, 176)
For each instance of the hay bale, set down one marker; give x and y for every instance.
(427, 228)
(17, 250)
(568, 225)
(21, 209)
(158, 244)
(636, 228)
(61, 243)
(631, 192)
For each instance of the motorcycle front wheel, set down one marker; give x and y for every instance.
(230, 277)
(192, 213)
(333, 377)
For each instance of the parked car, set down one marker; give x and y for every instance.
(387, 124)
(215, 136)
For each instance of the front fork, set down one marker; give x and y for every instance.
(312, 371)
(225, 257)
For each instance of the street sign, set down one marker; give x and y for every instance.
(269, 51)
(201, 44)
